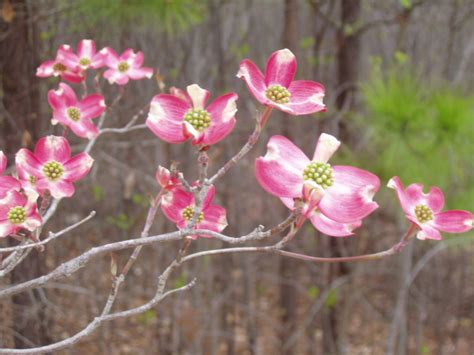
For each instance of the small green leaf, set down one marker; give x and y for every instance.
(98, 193)
(307, 42)
(405, 3)
(332, 298)
(313, 292)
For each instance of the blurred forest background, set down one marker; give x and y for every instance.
(400, 95)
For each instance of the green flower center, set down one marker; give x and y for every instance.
(53, 170)
(74, 113)
(188, 214)
(320, 173)
(59, 67)
(200, 119)
(123, 67)
(17, 215)
(278, 94)
(84, 62)
(32, 179)
(423, 213)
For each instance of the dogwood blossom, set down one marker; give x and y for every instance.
(58, 67)
(18, 211)
(125, 67)
(178, 205)
(424, 210)
(181, 115)
(87, 56)
(277, 88)
(347, 191)
(76, 114)
(51, 168)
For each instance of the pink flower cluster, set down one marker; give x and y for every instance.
(73, 66)
(49, 170)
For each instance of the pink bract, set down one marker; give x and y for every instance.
(347, 191)
(7, 183)
(76, 114)
(86, 57)
(277, 88)
(125, 67)
(178, 205)
(51, 168)
(17, 212)
(424, 210)
(181, 115)
(58, 67)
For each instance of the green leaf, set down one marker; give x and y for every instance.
(406, 4)
(332, 298)
(313, 292)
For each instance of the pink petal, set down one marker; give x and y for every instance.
(46, 69)
(306, 98)
(86, 49)
(166, 116)
(52, 148)
(62, 97)
(83, 128)
(68, 58)
(349, 199)
(57, 189)
(428, 232)
(111, 57)
(214, 219)
(183, 95)
(327, 145)
(98, 60)
(7, 184)
(78, 167)
(116, 77)
(3, 162)
(163, 176)
(409, 198)
(456, 221)
(92, 106)
(435, 199)
(222, 112)
(33, 221)
(280, 171)
(209, 197)
(27, 161)
(72, 76)
(137, 60)
(254, 79)
(332, 228)
(281, 68)
(190, 132)
(7, 228)
(140, 73)
(198, 96)
(130, 56)
(174, 203)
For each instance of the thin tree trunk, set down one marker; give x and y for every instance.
(21, 101)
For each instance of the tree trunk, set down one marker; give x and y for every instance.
(21, 128)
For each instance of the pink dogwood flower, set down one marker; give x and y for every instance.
(58, 67)
(18, 212)
(125, 67)
(86, 57)
(183, 115)
(7, 183)
(165, 179)
(178, 205)
(424, 210)
(311, 195)
(76, 114)
(51, 168)
(277, 88)
(347, 191)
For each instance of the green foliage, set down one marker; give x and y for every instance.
(313, 292)
(406, 4)
(98, 193)
(121, 221)
(165, 15)
(332, 299)
(421, 132)
(148, 317)
(180, 281)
